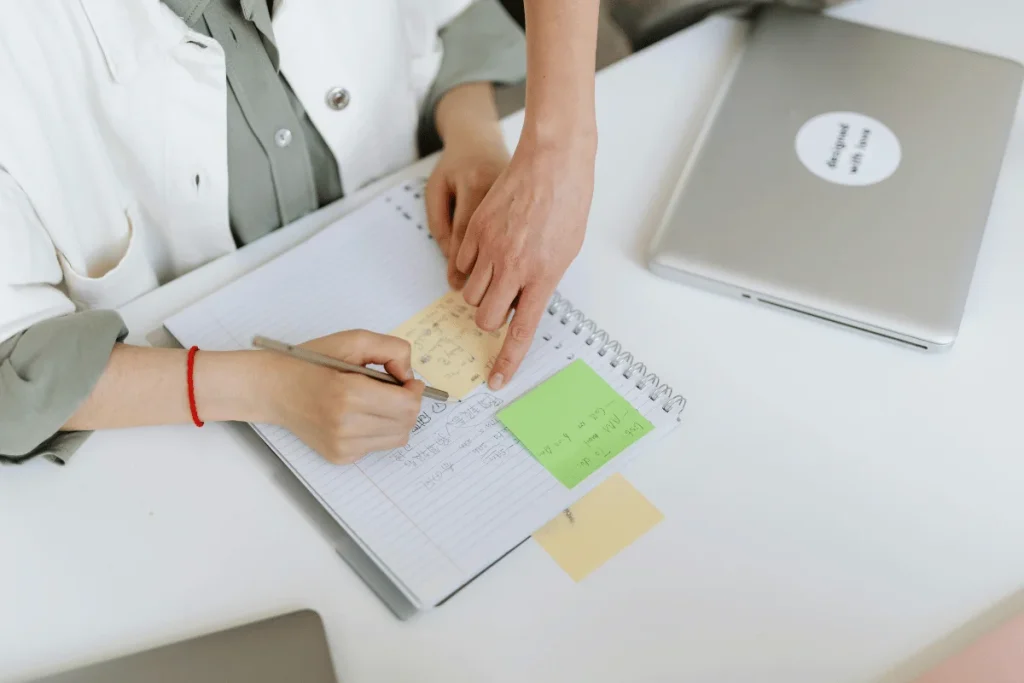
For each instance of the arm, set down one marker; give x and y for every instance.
(50, 356)
(341, 416)
(66, 366)
(473, 158)
(561, 42)
(143, 386)
(46, 371)
(468, 110)
(62, 371)
(481, 46)
(530, 226)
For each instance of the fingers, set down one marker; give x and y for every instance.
(477, 284)
(368, 416)
(367, 396)
(468, 197)
(362, 347)
(438, 199)
(520, 333)
(497, 301)
(399, 368)
(456, 279)
(416, 388)
(345, 415)
(467, 254)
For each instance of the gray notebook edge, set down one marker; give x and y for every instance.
(347, 548)
(365, 567)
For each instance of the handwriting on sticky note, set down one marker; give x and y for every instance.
(448, 349)
(597, 527)
(574, 423)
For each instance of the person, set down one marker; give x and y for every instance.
(140, 140)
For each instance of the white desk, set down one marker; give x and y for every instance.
(833, 503)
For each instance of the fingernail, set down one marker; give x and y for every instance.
(496, 381)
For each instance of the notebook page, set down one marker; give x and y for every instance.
(463, 491)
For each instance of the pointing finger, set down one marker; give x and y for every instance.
(520, 333)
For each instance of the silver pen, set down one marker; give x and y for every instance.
(335, 364)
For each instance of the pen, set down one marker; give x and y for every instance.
(335, 364)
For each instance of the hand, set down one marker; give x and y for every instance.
(469, 164)
(344, 416)
(522, 238)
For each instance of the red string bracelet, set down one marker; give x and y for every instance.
(192, 386)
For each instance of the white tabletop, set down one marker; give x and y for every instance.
(832, 502)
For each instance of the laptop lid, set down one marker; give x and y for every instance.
(846, 172)
(291, 647)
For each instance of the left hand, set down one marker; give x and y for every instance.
(469, 164)
(522, 238)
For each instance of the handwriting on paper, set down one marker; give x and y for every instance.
(421, 421)
(464, 424)
(448, 349)
(444, 471)
(474, 413)
(574, 423)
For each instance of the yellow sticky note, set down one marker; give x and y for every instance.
(597, 527)
(448, 349)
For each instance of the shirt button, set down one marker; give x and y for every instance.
(338, 98)
(283, 137)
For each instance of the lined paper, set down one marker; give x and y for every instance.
(463, 491)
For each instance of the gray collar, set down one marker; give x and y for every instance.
(256, 11)
(189, 10)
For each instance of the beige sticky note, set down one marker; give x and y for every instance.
(597, 527)
(448, 349)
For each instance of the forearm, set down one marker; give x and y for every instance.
(144, 386)
(561, 42)
(468, 111)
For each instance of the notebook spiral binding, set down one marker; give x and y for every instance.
(560, 306)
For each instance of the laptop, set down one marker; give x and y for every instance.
(290, 647)
(845, 173)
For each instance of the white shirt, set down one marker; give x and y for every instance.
(113, 141)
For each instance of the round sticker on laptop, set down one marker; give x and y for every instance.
(847, 148)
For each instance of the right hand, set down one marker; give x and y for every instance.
(343, 416)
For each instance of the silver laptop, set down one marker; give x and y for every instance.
(845, 173)
(291, 647)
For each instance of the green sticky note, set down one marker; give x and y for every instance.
(574, 422)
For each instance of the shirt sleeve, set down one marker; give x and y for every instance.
(46, 373)
(483, 43)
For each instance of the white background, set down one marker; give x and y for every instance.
(833, 503)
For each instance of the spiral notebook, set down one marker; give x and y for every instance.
(433, 515)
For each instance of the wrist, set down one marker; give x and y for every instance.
(576, 144)
(475, 135)
(567, 127)
(234, 386)
(467, 112)
(560, 108)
